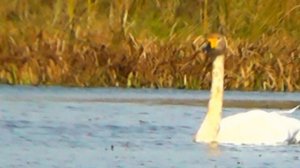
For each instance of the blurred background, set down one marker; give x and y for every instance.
(149, 43)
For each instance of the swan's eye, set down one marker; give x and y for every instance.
(206, 47)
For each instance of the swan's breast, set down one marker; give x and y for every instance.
(257, 127)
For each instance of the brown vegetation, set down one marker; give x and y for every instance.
(147, 43)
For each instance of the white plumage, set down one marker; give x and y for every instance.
(259, 127)
(255, 127)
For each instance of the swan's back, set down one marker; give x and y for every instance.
(259, 127)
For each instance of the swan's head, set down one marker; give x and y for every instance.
(216, 44)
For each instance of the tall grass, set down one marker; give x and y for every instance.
(139, 43)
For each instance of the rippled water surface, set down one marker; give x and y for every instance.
(89, 128)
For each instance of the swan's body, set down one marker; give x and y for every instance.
(259, 127)
(254, 127)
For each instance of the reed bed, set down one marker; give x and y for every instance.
(139, 43)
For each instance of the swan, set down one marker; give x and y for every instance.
(255, 127)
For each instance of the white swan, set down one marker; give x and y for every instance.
(255, 127)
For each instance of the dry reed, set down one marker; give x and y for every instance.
(137, 43)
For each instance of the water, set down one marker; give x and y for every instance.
(89, 128)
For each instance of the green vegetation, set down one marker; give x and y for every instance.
(148, 43)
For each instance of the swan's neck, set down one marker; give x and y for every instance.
(210, 127)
